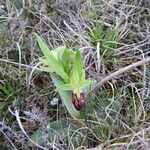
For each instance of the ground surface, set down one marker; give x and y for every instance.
(111, 35)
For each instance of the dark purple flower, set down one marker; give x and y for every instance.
(78, 103)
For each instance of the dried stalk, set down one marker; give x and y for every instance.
(119, 72)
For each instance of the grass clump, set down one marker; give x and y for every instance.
(107, 37)
(9, 88)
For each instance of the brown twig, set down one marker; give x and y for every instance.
(118, 72)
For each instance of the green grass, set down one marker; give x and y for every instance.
(9, 89)
(107, 37)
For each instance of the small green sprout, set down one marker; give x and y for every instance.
(77, 80)
(66, 66)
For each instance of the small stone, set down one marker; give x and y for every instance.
(2, 10)
(54, 101)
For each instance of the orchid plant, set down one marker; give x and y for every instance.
(68, 75)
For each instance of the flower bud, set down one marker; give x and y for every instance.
(78, 102)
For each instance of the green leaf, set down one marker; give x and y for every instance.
(52, 61)
(60, 130)
(82, 78)
(57, 129)
(58, 52)
(77, 70)
(78, 62)
(66, 56)
(46, 65)
(76, 77)
(71, 78)
(87, 83)
(65, 87)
